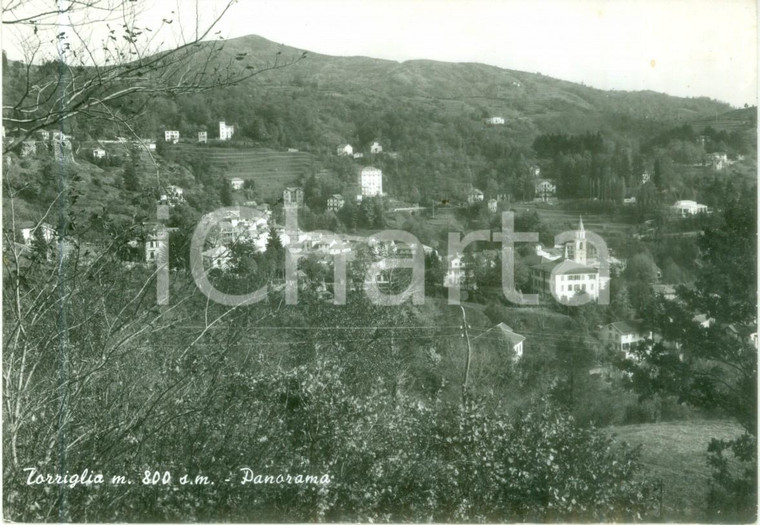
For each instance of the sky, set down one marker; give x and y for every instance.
(687, 48)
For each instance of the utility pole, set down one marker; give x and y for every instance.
(466, 378)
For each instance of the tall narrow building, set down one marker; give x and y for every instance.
(579, 248)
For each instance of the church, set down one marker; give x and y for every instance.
(571, 274)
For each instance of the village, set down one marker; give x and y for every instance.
(560, 273)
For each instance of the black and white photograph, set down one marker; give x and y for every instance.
(379, 261)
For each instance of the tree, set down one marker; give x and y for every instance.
(714, 367)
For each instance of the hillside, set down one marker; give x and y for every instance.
(471, 86)
(271, 171)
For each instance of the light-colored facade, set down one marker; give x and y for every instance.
(495, 121)
(622, 335)
(375, 148)
(203, 137)
(335, 202)
(345, 150)
(28, 231)
(237, 183)
(225, 132)
(171, 135)
(98, 153)
(687, 208)
(371, 182)
(545, 189)
(568, 277)
(475, 195)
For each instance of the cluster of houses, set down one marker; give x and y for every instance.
(346, 150)
(44, 141)
(225, 133)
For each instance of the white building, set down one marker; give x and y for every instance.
(493, 205)
(568, 277)
(622, 335)
(545, 189)
(98, 153)
(495, 121)
(455, 271)
(345, 150)
(29, 228)
(371, 182)
(335, 202)
(475, 195)
(687, 208)
(237, 183)
(375, 148)
(225, 131)
(155, 242)
(171, 135)
(203, 137)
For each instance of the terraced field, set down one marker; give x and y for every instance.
(270, 170)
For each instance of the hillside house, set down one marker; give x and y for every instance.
(174, 195)
(535, 171)
(475, 195)
(570, 275)
(155, 243)
(628, 201)
(98, 153)
(29, 230)
(719, 161)
(203, 137)
(218, 258)
(359, 155)
(371, 182)
(59, 136)
(493, 205)
(688, 208)
(335, 202)
(567, 278)
(666, 291)
(292, 197)
(622, 335)
(375, 148)
(345, 150)
(237, 183)
(455, 271)
(171, 136)
(545, 189)
(495, 121)
(507, 336)
(44, 134)
(225, 131)
(645, 177)
(28, 147)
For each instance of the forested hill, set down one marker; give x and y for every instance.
(343, 95)
(551, 104)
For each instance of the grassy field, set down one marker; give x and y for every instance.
(676, 452)
(270, 170)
